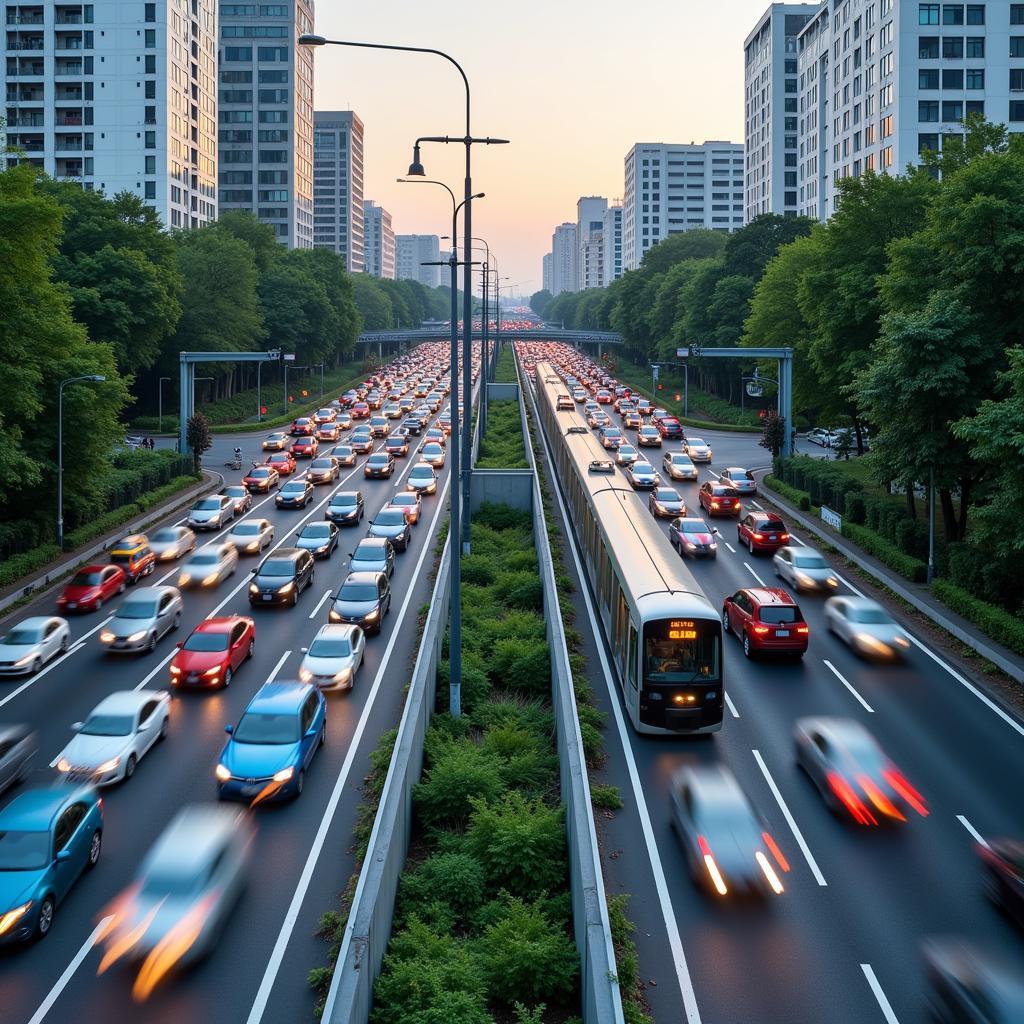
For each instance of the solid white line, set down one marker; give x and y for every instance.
(54, 994)
(754, 574)
(797, 834)
(978, 837)
(42, 672)
(319, 604)
(756, 504)
(288, 925)
(883, 1003)
(277, 668)
(729, 546)
(845, 682)
(732, 707)
(95, 629)
(156, 668)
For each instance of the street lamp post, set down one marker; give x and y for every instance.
(97, 379)
(160, 405)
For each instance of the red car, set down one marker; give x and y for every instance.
(283, 462)
(348, 399)
(214, 651)
(262, 478)
(765, 619)
(762, 531)
(302, 427)
(328, 432)
(305, 447)
(719, 500)
(604, 397)
(91, 586)
(669, 427)
(360, 411)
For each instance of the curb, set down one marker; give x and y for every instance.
(34, 587)
(993, 654)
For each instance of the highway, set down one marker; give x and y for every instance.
(842, 943)
(303, 854)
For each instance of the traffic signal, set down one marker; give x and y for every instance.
(679, 398)
(661, 387)
(305, 393)
(263, 410)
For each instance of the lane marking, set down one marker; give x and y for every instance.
(978, 837)
(732, 707)
(156, 668)
(288, 925)
(95, 629)
(797, 834)
(879, 995)
(319, 604)
(757, 505)
(277, 668)
(754, 574)
(729, 546)
(846, 683)
(42, 672)
(54, 994)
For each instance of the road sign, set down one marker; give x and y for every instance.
(754, 389)
(683, 353)
(654, 371)
(289, 357)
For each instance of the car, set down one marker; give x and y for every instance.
(91, 586)
(690, 535)
(251, 536)
(262, 478)
(187, 886)
(324, 415)
(276, 442)
(135, 556)
(360, 411)
(804, 569)
(143, 619)
(241, 496)
(820, 436)
(319, 538)
(302, 427)
(742, 479)
(374, 401)
(379, 426)
(32, 643)
(728, 847)
(294, 494)
(644, 407)
(305, 447)
(345, 508)
(413, 424)
(380, 465)
(397, 445)
(626, 455)
(564, 402)
(172, 542)
(851, 772)
(611, 437)
(362, 600)
(642, 476)
(761, 531)
(718, 499)
(972, 983)
(433, 454)
(865, 627)
(281, 577)
(411, 504)
(345, 455)
(391, 522)
(846, 437)
(48, 838)
(669, 428)
(632, 420)
(698, 449)
(658, 413)
(373, 554)
(283, 462)
(648, 436)
(211, 512)
(604, 396)
(349, 398)
(328, 432)
(269, 752)
(361, 442)
(678, 466)
(1002, 862)
(18, 746)
(598, 420)
(392, 411)
(209, 566)
(334, 657)
(665, 502)
(765, 619)
(344, 421)
(213, 652)
(116, 735)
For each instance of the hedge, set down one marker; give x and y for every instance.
(503, 447)
(505, 367)
(1000, 625)
(906, 565)
(799, 498)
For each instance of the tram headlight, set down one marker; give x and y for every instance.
(682, 699)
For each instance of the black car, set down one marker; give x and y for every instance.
(294, 494)
(345, 508)
(413, 424)
(379, 465)
(1003, 864)
(281, 577)
(319, 538)
(363, 599)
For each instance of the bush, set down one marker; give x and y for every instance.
(502, 517)
(17, 567)
(458, 774)
(503, 446)
(994, 622)
(522, 665)
(455, 879)
(854, 508)
(607, 797)
(478, 570)
(907, 566)
(791, 494)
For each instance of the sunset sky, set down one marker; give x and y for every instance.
(572, 85)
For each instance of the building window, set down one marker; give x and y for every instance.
(975, 78)
(790, 106)
(1017, 14)
(151, 89)
(952, 110)
(1017, 110)
(975, 46)
(952, 47)
(151, 190)
(887, 157)
(927, 78)
(1016, 79)
(974, 107)
(150, 10)
(151, 165)
(975, 14)
(1017, 46)
(928, 143)
(927, 110)
(237, 53)
(952, 14)
(150, 140)
(928, 48)
(150, 38)
(952, 78)
(927, 14)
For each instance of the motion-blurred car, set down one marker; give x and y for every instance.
(276, 442)
(251, 536)
(91, 586)
(32, 643)
(18, 746)
(410, 503)
(739, 478)
(318, 538)
(390, 522)
(968, 984)
(691, 536)
(281, 577)
(362, 600)
(324, 470)
(334, 657)
(718, 499)
(142, 619)
(761, 531)
(172, 542)
(212, 512)
(804, 569)
(209, 566)
(765, 619)
(134, 555)
(642, 475)
(679, 466)
(241, 496)
(1002, 863)
(262, 478)
(866, 627)
(666, 503)
(294, 494)
(422, 479)
(213, 652)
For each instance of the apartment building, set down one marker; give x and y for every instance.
(590, 211)
(378, 241)
(338, 185)
(611, 235)
(412, 252)
(564, 259)
(547, 280)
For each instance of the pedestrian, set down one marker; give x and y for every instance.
(792, 438)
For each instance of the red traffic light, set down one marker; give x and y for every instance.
(679, 398)
(305, 393)
(661, 387)
(263, 410)
(291, 398)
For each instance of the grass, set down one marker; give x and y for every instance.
(503, 447)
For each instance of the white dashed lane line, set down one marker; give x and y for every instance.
(863, 703)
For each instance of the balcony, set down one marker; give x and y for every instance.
(26, 121)
(24, 19)
(68, 121)
(25, 94)
(22, 43)
(69, 167)
(68, 93)
(30, 145)
(68, 19)
(68, 67)
(68, 143)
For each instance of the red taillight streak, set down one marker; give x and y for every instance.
(906, 790)
(784, 536)
(879, 799)
(850, 800)
(775, 851)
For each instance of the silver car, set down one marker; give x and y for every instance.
(679, 466)
(742, 479)
(32, 643)
(18, 745)
(212, 512)
(866, 627)
(251, 536)
(804, 569)
(698, 449)
(626, 455)
(143, 618)
(172, 542)
(373, 554)
(209, 566)
(334, 657)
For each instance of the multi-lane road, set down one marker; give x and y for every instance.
(842, 943)
(303, 855)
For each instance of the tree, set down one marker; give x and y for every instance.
(198, 438)
(699, 244)
(773, 432)
(749, 250)
(327, 270)
(260, 237)
(372, 302)
(539, 301)
(959, 149)
(297, 312)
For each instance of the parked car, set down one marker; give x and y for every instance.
(32, 643)
(143, 619)
(765, 619)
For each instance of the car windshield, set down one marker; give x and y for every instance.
(120, 557)
(207, 642)
(166, 882)
(316, 530)
(642, 467)
(696, 442)
(344, 501)
(680, 459)
(294, 485)
(421, 471)
(277, 567)
(24, 851)
(870, 616)
(165, 536)
(358, 592)
(390, 517)
(404, 498)
(343, 451)
(257, 473)
(666, 494)
(207, 505)
(809, 562)
(320, 464)
(235, 492)
(694, 526)
(741, 474)
(773, 526)
(778, 614)
(204, 558)
(142, 608)
(247, 530)
(334, 647)
(265, 728)
(17, 637)
(108, 725)
(378, 460)
(85, 579)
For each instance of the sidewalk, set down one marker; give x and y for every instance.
(33, 587)
(918, 595)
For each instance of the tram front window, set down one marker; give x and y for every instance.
(681, 651)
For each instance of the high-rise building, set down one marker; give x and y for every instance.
(564, 257)
(411, 252)
(378, 241)
(547, 279)
(590, 211)
(266, 116)
(338, 185)
(812, 63)
(771, 101)
(118, 97)
(611, 235)
(677, 188)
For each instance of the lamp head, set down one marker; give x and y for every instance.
(416, 168)
(312, 39)
(97, 377)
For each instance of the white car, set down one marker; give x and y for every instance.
(32, 643)
(209, 566)
(742, 479)
(110, 743)
(865, 626)
(334, 657)
(172, 542)
(251, 536)
(212, 512)
(820, 436)
(698, 449)
(804, 569)
(679, 466)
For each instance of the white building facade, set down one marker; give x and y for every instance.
(266, 116)
(338, 185)
(119, 97)
(379, 241)
(564, 259)
(547, 280)
(813, 66)
(677, 188)
(590, 211)
(611, 236)
(411, 252)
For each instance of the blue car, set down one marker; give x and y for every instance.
(48, 837)
(273, 744)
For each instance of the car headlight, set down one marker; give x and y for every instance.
(901, 641)
(872, 643)
(322, 550)
(305, 675)
(222, 773)
(136, 636)
(109, 766)
(832, 581)
(333, 616)
(175, 671)
(253, 589)
(689, 543)
(184, 579)
(804, 580)
(12, 917)
(284, 774)
(26, 660)
(343, 675)
(210, 580)
(63, 765)
(212, 671)
(253, 545)
(372, 616)
(287, 588)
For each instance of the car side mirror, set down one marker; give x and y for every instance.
(62, 855)
(229, 729)
(714, 529)
(252, 572)
(76, 726)
(305, 650)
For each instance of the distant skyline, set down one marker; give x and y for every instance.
(573, 86)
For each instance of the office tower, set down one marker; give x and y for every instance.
(338, 185)
(564, 258)
(378, 241)
(412, 252)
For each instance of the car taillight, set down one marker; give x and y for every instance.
(849, 799)
(879, 799)
(906, 790)
(709, 863)
(802, 629)
(761, 630)
(776, 852)
(758, 536)
(784, 537)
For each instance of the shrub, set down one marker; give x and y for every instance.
(478, 570)
(854, 508)
(454, 879)
(907, 566)
(791, 494)
(16, 567)
(999, 625)
(607, 797)
(521, 590)
(474, 690)
(502, 517)
(522, 665)
(460, 773)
